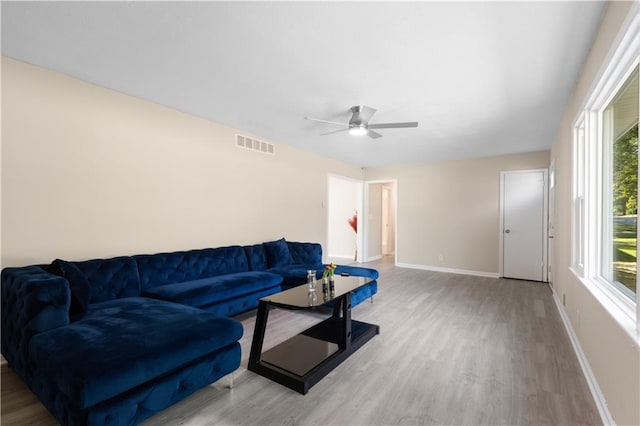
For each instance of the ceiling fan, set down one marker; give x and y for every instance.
(359, 123)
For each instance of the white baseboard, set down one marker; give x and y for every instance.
(448, 270)
(598, 397)
(372, 258)
(340, 257)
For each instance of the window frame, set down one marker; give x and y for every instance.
(578, 210)
(606, 229)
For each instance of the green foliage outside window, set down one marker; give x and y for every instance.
(625, 208)
(625, 173)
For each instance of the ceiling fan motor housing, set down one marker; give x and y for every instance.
(360, 115)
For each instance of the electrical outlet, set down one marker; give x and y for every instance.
(440, 258)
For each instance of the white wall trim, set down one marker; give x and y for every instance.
(598, 397)
(372, 258)
(448, 270)
(341, 257)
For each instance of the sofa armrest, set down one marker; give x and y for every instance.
(305, 253)
(33, 301)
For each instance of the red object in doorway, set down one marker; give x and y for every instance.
(353, 222)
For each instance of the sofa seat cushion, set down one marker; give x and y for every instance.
(122, 343)
(295, 275)
(357, 271)
(363, 293)
(207, 291)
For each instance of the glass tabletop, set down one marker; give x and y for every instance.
(301, 297)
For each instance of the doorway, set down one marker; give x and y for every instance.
(523, 224)
(344, 200)
(380, 220)
(388, 220)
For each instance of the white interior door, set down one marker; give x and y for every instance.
(524, 221)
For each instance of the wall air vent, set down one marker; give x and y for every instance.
(245, 142)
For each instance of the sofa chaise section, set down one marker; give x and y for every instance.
(133, 344)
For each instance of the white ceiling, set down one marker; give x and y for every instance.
(481, 78)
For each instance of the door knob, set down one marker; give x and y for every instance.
(507, 231)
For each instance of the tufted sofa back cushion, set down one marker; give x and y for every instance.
(109, 279)
(305, 253)
(170, 268)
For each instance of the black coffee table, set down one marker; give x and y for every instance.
(301, 361)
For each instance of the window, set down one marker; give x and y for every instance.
(620, 188)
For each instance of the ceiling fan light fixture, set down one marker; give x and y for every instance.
(358, 131)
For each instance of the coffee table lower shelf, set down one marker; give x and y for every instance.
(303, 360)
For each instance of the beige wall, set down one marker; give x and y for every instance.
(612, 353)
(89, 172)
(451, 209)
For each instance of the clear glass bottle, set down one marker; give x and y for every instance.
(311, 280)
(313, 298)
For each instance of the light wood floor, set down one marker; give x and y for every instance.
(453, 349)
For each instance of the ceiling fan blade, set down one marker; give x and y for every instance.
(393, 125)
(326, 121)
(335, 131)
(373, 135)
(361, 114)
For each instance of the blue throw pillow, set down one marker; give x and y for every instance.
(77, 282)
(256, 257)
(278, 253)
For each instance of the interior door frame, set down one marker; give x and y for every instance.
(545, 223)
(365, 218)
(359, 211)
(551, 203)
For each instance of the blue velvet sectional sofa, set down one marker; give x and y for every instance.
(113, 341)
